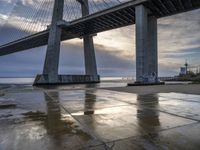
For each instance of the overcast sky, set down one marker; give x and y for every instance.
(179, 39)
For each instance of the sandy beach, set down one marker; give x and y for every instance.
(179, 88)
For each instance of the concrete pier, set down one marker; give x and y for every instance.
(89, 52)
(152, 47)
(146, 46)
(53, 48)
(50, 71)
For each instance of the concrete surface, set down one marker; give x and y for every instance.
(66, 79)
(51, 64)
(88, 44)
(78, 117)
(146, 46)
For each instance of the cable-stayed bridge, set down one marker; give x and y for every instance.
(51, 21)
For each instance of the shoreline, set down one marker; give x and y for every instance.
(168, 88)
(186, 88)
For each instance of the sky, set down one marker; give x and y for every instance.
(179, 39)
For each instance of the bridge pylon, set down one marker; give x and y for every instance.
(146, 47)
(89, 52)
(51, 65)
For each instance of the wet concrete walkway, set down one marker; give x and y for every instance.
(96, 119)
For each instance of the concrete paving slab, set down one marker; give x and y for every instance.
(48, 127)
(185, 109)
(183, 105)
(180, 96)
(80, 100)
(34, 100)
(97, 119)
(181, 138)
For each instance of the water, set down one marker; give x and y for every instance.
(16, 80)
(31, 80)
(105, 82)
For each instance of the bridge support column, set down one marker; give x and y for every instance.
(152, 49)
(50, 70)
(89, 52)
(146, 47)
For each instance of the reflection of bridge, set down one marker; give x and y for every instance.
(142, 12)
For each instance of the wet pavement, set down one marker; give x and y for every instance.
(83, 117)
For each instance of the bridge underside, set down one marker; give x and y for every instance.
(124, 15)
(116, 17)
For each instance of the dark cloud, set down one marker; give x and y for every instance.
(108, 62)
(9, 33)
(30, 63)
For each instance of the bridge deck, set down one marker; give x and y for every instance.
(112, 18)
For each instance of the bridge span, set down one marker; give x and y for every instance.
(143, 13)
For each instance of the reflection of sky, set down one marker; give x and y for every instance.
(179, 39)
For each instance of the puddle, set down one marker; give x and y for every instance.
(56, 123)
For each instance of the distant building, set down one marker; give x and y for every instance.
(183, 71)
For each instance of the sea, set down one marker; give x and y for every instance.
(19, 80)
(117, 81)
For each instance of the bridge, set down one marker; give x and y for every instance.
(143, 13)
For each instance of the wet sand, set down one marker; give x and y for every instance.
(179, 88)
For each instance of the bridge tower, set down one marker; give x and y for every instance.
(89, 52)
(50, 70)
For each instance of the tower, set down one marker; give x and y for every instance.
(186, 66)
(51, 65)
